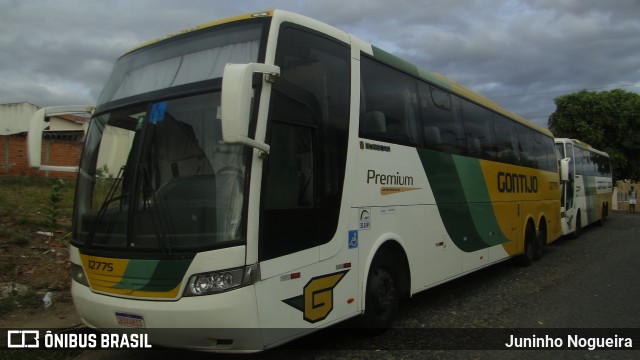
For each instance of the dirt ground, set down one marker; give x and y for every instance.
(35, 230)
(62, 314)
(35, 271)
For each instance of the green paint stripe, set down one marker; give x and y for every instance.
(479, 201)
(394, 61)
(153, 275)
(471, 179)
(463, 200)
(170, 272)
(486, 224)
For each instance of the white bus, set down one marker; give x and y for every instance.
(587, 193)
(281, 175)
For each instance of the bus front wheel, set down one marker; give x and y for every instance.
(382, 300)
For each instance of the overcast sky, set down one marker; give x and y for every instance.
(522, 54)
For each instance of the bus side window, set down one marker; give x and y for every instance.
(480, 140)
(389, 108)
(552, 157)
(578, 158)
(506, 142)
(438, 125)
(525, 145)
(544, 152)
(290, 175)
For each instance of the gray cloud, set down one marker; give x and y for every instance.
(521, 53)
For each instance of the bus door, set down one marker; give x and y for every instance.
(570, 193)
(302, 186)
(297, 290)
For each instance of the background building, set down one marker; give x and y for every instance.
(61, 145)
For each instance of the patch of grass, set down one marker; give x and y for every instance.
(24, 257)
(41, 285)
(30, 299)
(7, 265)
(6, 305)
(36, 203)
(19, 239)
(34, 220)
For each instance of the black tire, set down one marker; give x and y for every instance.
(603, 215)
(527, 257)
(382, 300)
(541, 242)
(578, 231)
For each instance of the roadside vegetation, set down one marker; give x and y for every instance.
(35, 228)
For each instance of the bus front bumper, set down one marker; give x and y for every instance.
(219, 322)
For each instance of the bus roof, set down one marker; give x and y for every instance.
(264, 13)
(581, 144)
(379, 54)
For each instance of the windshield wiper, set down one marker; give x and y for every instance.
(157, 217)
(110, 197)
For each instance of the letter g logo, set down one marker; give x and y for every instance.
(318, 296)
(316, 301)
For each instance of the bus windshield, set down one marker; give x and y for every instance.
(182, 60)
(158, 177)
(155, 175)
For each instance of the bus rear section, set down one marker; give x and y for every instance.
(587, 191)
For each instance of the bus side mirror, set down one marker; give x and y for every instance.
(37, 125)
(564, 169)
(237, 100)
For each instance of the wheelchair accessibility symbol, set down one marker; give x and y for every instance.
(353, 239)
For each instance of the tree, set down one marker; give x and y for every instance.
(608, 121)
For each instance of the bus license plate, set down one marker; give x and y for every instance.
(130, 320)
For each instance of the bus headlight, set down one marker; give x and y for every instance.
(77, 274)
(219, 281)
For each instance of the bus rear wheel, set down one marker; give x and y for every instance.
(529, 254)
(383, 297)
(603, 215)
(578, 229)
(541, 241)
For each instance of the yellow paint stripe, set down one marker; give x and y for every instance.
(204, 26)
(139, 293)
(98, 267)
(105, 273)
(513, 209)
(395, 190)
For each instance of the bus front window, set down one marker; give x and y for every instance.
(176, 62)
(158, 178)
(155, 175)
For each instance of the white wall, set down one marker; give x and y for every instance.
(14, 118)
